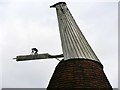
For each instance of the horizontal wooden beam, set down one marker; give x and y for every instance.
(36, 56)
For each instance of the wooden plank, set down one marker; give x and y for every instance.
(37, 56)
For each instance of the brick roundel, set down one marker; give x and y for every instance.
(79, 74)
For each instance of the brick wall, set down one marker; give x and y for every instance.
(80, 74)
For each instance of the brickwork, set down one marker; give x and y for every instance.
(79, 75)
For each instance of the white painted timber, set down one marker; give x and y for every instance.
(36, 56)
(74, 44)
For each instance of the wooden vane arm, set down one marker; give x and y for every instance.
(36, 56)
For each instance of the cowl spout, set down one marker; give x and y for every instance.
(57, 4)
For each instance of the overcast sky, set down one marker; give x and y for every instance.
(31, 23)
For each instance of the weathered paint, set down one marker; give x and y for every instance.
(74, 44)
(37, 56)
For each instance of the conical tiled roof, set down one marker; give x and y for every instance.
(79, 74)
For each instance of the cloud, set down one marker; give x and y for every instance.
(26, 23)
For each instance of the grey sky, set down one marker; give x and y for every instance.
(31, 23)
